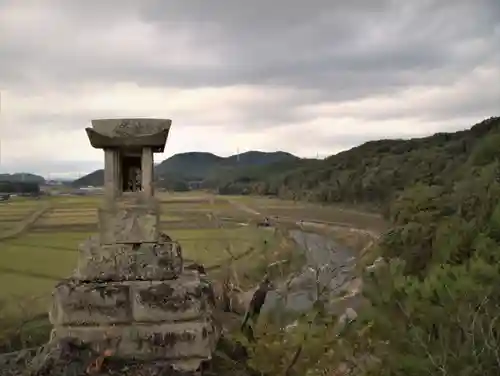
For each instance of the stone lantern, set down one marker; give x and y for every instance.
(130, 293)
(129, 214)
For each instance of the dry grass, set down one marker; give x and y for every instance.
(285, 210)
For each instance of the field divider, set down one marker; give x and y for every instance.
(26, 223)
(45, 246)
(27, 273)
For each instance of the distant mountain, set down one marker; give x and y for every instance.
(259, 158)
(95, 178)
(376, 172)
(200, 166)
(22, 177)
(20, 183)
(189, 166)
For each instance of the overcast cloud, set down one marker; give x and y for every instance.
(312, 77)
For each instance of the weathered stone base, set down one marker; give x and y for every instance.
(92, 303)
(69, 356)
(169, 320)
(173, 341)
(122, 262)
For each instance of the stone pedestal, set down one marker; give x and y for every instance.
(129, 223)
(130, 293)
(138, 319)
(137, 300)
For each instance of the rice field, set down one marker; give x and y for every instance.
(39, 239)
(299, 210)
(41, 250)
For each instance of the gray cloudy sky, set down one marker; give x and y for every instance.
(306, 76)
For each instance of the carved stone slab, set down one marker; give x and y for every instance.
(99, 262)
(90, 303)
(128, 262)
(133, 224)
(176, 300)
(130, 127)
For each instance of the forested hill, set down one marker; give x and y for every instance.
(376, 171)
(22, 177)
(435, 301)
(373, 173)
(183, 168)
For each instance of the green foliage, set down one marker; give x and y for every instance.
(19, 327)
(444, 323)
(22, 177)
(486, 151)
(297, 349)
(434, 305)
(378, 171)
(180, 186)
(19, 187)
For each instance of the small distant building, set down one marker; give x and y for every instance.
(88, 190)
(195, 184)
(4, 197)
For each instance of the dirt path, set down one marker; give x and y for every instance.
(243, 207)
(314, 224)
(26, 223)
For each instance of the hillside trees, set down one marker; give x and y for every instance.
(434, 308)
(19, 187)
(377, 172)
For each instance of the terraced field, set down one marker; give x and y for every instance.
(40, 250)
(298, 210)
(39, 238)
(39, 246)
